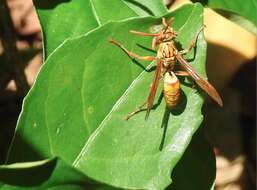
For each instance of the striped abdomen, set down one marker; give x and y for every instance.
(171, 89)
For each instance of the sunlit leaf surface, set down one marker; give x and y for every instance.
(77, 106)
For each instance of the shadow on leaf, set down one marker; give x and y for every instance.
(49, 4)
(169, 112)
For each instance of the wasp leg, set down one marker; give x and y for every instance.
(146, 34)
(131, 54)
(193, 42)
(140, 108)
(181, 73)
(142, 33)
(184, 74)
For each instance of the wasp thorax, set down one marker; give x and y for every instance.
(166, 53)
(165, 50)
(171, 89)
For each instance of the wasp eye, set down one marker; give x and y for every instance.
(174, 33)
(155, 28)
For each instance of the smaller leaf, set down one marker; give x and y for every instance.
(147, 7)
(81, 16)
(45, 174)
(103, 14)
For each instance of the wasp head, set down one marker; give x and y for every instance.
(166, 34)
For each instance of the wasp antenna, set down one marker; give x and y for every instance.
(164, 21)
(169, 22)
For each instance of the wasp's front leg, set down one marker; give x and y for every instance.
(131, 54)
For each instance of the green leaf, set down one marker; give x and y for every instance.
(245, 8)
(76, 108)
(45, 174)
(199, 156)
(147, 7)
(62, 19)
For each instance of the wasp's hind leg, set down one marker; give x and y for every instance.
(182, 73)
(137, 110)
(185, 74)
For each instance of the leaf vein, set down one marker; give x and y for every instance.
(95, 13)
(188, 18)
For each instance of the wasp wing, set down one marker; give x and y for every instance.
(154, 87)
(204, 84)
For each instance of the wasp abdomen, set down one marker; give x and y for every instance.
(171, 89)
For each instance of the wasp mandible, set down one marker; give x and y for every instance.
(167, 56)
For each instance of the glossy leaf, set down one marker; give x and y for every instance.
(76, 108)
(199, 157)
(45, 174)
(62, 19)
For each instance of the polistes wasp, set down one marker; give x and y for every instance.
(167, 56)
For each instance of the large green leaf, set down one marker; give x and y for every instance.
(76, 108)
(246, 8)
(197, 168)
(45, 174)
(62, 19)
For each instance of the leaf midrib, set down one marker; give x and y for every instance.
(101, 125)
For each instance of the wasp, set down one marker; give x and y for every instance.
(167, 56)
